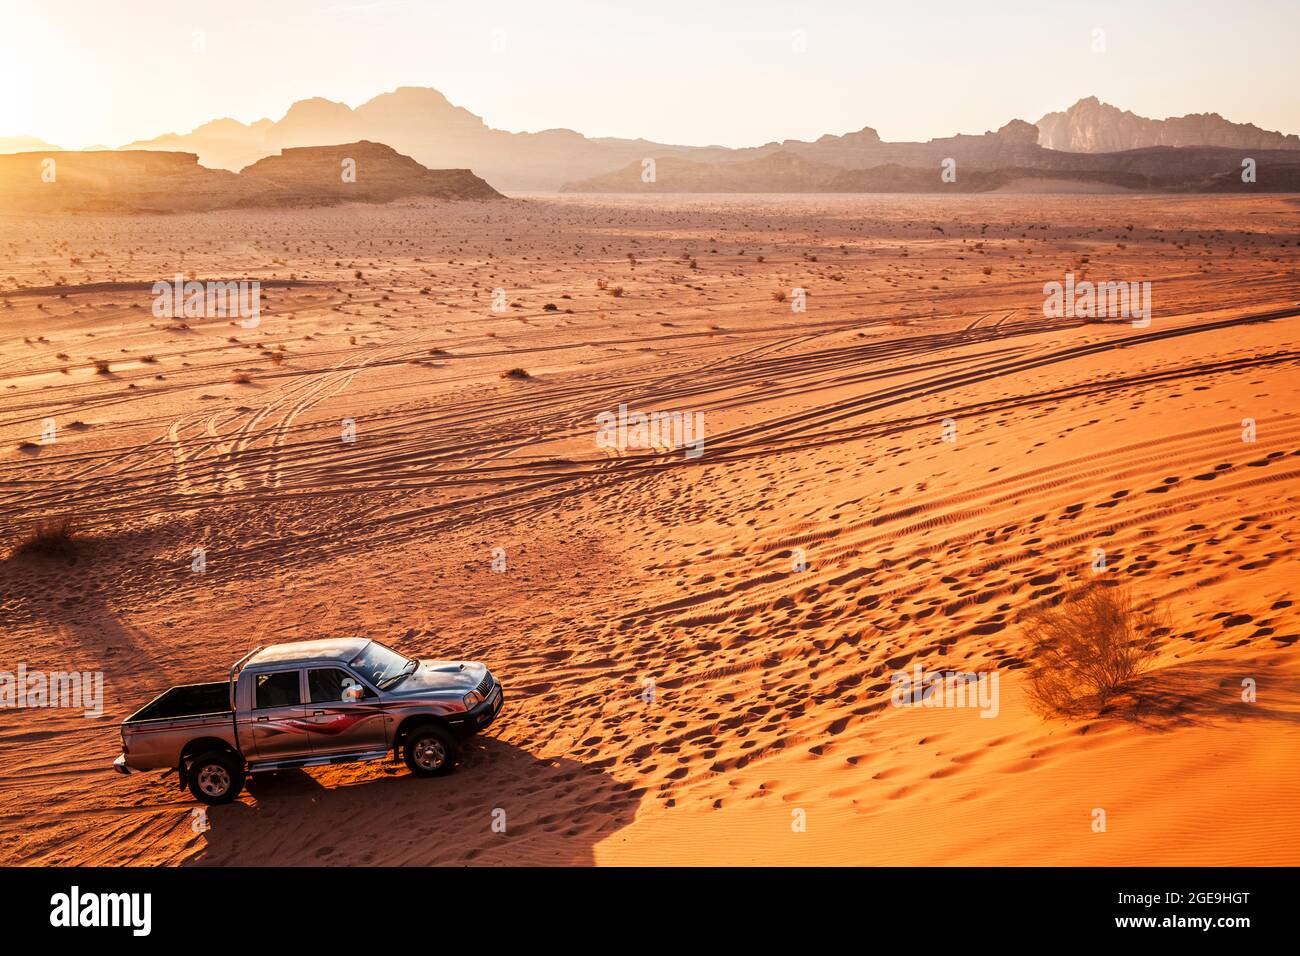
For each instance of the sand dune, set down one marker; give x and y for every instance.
(824, 442)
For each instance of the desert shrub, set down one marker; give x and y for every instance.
(778, 295)
(1089, 648)
(53, 537)
(515, 373)
(101, 367)
(241, 378)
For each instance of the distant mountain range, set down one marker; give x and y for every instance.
(156, 181)
(1203, 169)
(421, 123)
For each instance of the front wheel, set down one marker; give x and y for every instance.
(430, 751)
(216, 777)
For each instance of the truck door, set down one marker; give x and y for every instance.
(336, 724)
(277, 721)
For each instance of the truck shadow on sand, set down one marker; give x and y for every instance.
(554, 812)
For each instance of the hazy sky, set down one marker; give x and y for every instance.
(83, 72)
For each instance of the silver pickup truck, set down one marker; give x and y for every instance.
(309, 703)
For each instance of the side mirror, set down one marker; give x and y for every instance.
(354, 693)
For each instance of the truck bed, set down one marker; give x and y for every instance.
(186, 700)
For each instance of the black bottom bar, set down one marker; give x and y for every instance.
(369, 906)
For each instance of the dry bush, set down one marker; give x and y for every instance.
(1089, 648)
(515, 373)
(101, 367)
(52, 538)
(241, 378)
(779, 295)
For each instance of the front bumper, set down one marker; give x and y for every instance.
(120, 764)
(472, 721)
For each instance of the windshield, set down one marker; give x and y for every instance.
(381, 665)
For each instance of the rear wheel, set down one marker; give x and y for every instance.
(216, 777)
(430, 751)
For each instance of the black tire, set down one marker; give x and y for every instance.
(430, 751)
(216, 776)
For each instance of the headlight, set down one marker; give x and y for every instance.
(473, 699)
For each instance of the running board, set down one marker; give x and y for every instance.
(318, 761)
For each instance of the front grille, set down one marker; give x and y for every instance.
(485, 685)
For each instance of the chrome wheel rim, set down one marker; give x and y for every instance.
(214, 780)
(430, 754)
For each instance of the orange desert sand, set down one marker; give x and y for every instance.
(823, 433)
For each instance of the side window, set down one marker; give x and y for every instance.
(279, 689)
(327, 684)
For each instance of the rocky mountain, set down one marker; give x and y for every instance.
(358, 172)
(157, 181)
(23, 144)
(113, 181)
(1091, 126)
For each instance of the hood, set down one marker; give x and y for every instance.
(458, 677)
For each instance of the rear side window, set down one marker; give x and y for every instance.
(279, 689)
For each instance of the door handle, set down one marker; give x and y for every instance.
(263, 719)
(318, 713)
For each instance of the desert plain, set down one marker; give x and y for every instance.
(697, 650)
